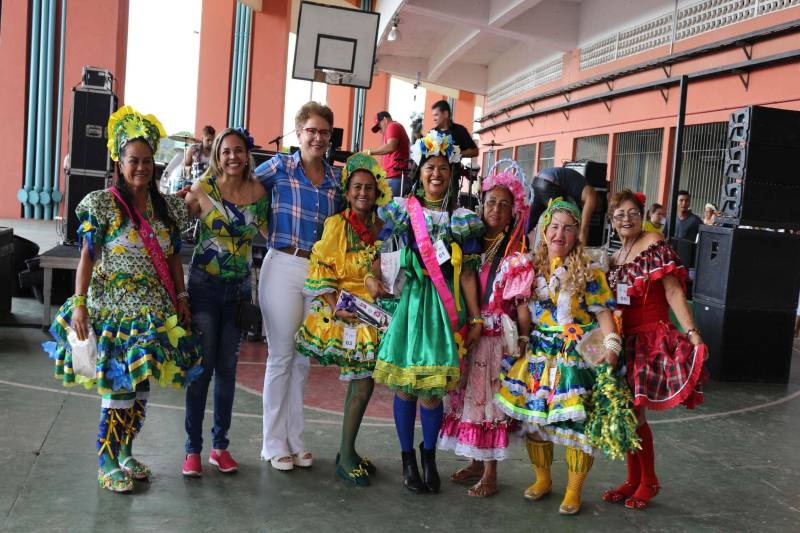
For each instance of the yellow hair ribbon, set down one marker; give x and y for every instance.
(456, 259)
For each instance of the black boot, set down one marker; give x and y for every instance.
(411, 477)
(429, 472)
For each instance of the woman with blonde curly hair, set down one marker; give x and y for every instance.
(548, 388)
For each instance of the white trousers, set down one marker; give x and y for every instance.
(284, 308)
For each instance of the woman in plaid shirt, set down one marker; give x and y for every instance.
(304, 192)
(665, 366)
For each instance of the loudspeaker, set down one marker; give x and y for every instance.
(763, 187)
(748, 268)
(88, 138)
(78, 186)
(97, 78)
(594, 172)
(746, 344)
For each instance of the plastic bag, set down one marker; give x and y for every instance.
(391, 274)
(84, 354)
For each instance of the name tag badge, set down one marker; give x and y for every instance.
(349, 338)
(622, 294)
(442, 255)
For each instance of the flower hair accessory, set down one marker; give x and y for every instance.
(558, 204)
(249, 143)
(435, 143)
(127, 124)
(362, 161)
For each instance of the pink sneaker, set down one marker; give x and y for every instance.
(192, 466)
(223, 461)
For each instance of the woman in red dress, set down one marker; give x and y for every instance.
(664, 366)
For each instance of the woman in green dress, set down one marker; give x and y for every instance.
(419, 356)
(129, 298)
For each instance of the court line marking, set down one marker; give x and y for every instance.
(68, 392)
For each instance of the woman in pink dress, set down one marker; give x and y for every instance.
(474, 427)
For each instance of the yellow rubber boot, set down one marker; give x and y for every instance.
(541, 454)
(579, 463)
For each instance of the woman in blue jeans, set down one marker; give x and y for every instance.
(232, 207)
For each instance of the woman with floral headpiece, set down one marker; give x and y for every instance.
(232, 207)
(342, 260)
(419, 356)
(473, 426)
(549, 387)
(129, 296)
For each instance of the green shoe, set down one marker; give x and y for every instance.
(106, 480)
(135, 468)
(357, 476)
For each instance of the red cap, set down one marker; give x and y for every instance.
(380, 116)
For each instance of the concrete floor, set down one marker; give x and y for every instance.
(731, 465)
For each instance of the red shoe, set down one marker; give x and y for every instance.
(192, 466)
(223, 461)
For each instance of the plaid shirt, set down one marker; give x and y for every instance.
(299, 209)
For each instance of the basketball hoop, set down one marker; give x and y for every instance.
(332, 77)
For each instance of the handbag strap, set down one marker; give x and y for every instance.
(428, 255)
(153, 247)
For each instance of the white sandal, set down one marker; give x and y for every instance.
(300, 460)
(284, 466)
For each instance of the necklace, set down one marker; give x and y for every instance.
(492, 248)
(434, 204)
(625, 259)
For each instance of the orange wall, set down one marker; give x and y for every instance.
(709, 100)
(13, 87)
(268, 56)
(213, 76)
(377, 101)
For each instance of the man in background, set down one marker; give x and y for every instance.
(197, 156)
(394, 151)
(687, 224)
(442, 122)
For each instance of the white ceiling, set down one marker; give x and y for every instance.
(477, 45)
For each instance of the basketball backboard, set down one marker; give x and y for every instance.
(335, 45)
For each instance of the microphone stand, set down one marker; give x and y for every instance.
(277, 140)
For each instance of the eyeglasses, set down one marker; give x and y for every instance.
(633, 214)
(491, 203)
(313, 132)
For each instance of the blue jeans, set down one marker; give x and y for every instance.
(213, 301)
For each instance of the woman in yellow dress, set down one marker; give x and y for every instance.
(342, 260)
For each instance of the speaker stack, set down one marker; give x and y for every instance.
(747, 275)
(90, 166)
(595, 174)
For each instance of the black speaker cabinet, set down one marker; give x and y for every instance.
(88, 138)
(746, 344)
(766, 125)
(7, 278)
(748, 268)
(594, 171)
(78, 186)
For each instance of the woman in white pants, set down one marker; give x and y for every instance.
(304, 193)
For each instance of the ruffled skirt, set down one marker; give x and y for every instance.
(549, 389)
(130, 350)
(321, 337)
(664, 368)
(473, 425)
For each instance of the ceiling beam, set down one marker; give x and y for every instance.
(485, 26)
(510, 11)
(450, 49)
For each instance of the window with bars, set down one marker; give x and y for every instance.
(488, 161)
(594, 148)
(637, 161)
(526, 156)
(547, 154)
(702, 170)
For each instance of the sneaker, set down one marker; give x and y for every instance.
(192, 466)
(223, 461)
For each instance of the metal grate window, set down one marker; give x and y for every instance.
(637, 161)
(488, 161)
(702, 171)
(594, 148)
(547, 155)
(539, 75)
(526, 156)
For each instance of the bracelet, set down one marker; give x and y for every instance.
(78, 300)
(476, 320)
(369, 275)
(182, 296)
(613, 343)
(692, 330)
